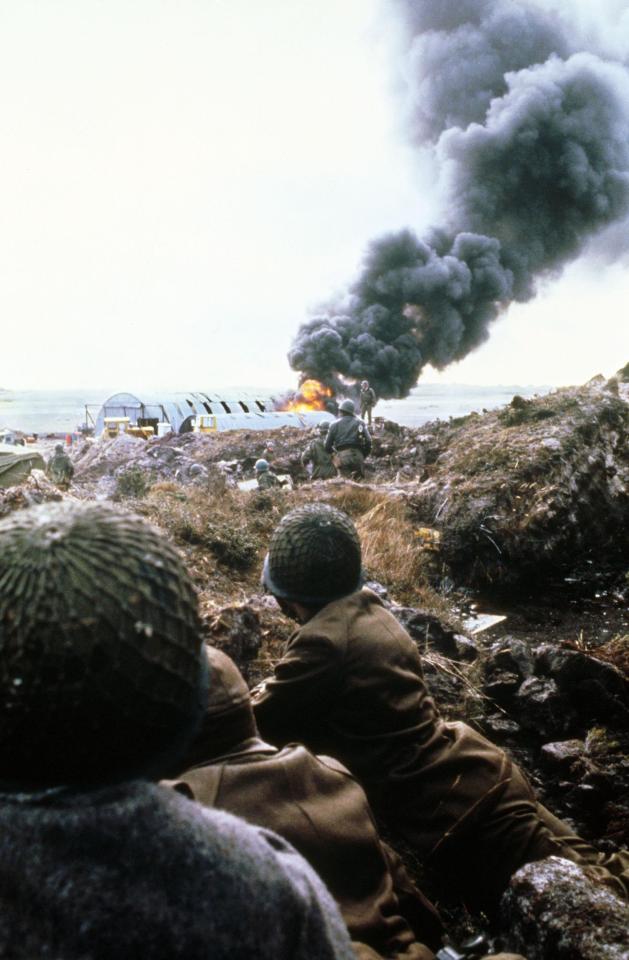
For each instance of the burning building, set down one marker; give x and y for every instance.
(225, 410)
(311, 396)
(529, 124)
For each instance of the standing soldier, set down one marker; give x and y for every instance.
(349, 438)
(315, 453)
(264, 476)
(59, 468)
(368, 400)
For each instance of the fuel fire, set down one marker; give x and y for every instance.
(311, 395)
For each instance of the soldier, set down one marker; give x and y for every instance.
(59, 468)
(349, 438)
(315, 453)
(315, 804)
(368, 400)
(351, 684)
(103, 682)
(265, 478)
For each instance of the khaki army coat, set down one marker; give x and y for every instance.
(266, 480)
(315, 804)
(350, 684)
(322, 464)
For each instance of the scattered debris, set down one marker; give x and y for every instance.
(479, 622)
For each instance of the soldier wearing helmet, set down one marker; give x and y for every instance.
(265, 478)
(349, 438)
(103, 684)
(323, 467)
(59, 468)
(351, 684)
(368, 400)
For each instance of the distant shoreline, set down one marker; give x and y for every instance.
(62, 411)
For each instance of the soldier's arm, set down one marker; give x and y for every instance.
(329, 440)
(304, 682)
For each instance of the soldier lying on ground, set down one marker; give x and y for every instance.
(350, 684)
(103, 682)
(315, 453)
(315, 804)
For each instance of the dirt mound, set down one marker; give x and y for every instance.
(540, 486)
(35, 489)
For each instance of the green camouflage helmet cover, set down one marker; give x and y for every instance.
(102, 676)
(314, 556)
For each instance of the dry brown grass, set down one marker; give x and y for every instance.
(222, 546)
(356, 500)
(616, 652)
(393, 554)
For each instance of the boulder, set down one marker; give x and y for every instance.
(502, 686)
(427, 629)
(560, 756)
(499, 727)
(512, 655)
(543, 708)
(553, 911)
(597, 689)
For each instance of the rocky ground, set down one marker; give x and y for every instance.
(522, 512)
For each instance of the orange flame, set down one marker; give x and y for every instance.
(312, 395)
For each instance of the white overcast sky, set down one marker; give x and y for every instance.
(183, 179)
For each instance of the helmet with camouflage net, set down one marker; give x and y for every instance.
(347, 406)
(324, 426)
(102, 676)
(314, 556)
(260, 466)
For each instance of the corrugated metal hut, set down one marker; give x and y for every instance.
(230, 410)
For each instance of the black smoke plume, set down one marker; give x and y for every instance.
(531, 133)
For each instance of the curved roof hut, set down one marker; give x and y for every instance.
(229, 410)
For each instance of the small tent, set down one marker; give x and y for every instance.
(16, 464)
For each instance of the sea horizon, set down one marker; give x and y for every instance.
(63, 411)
